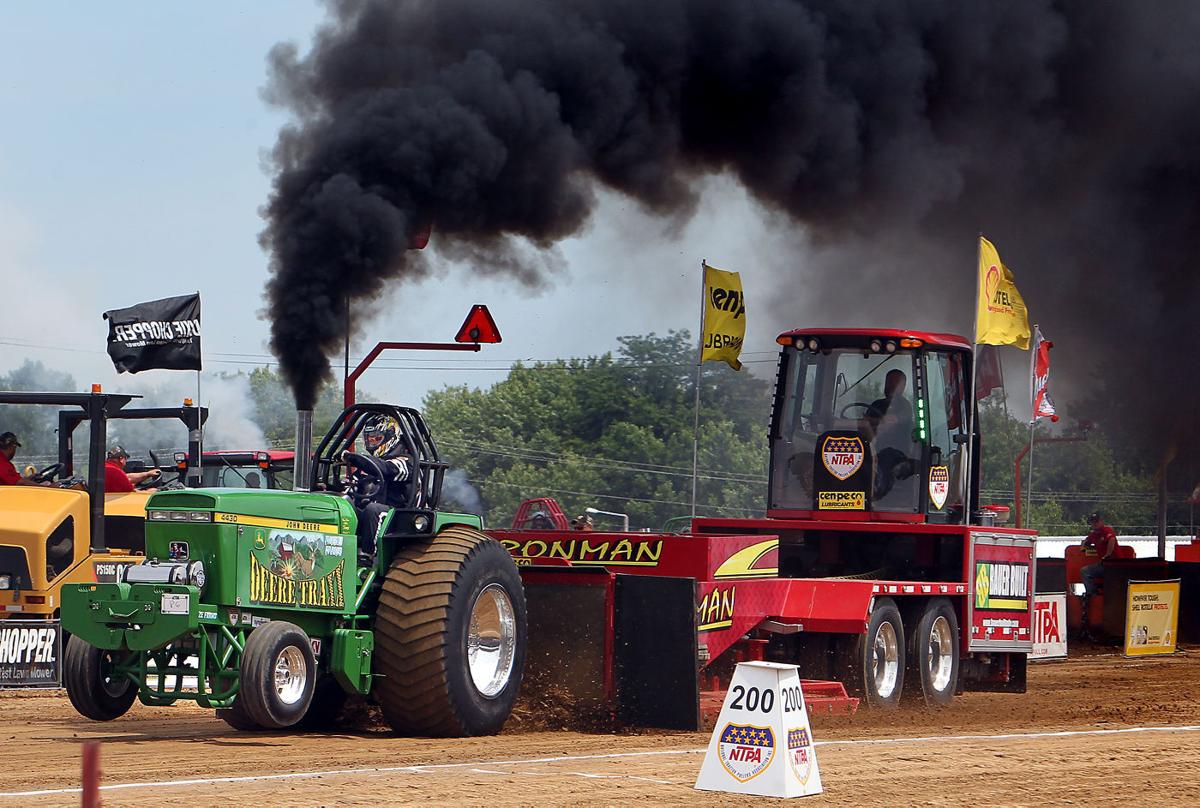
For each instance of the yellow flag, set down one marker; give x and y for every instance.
(1002, 318)
(724, 317)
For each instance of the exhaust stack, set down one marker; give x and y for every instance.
(303, 461)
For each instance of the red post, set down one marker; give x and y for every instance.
(348, 391)
(91, 775)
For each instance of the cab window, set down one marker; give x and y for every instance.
(848, 390)
(947, 423)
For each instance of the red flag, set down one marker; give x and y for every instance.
(1039, 378)
(988, 373)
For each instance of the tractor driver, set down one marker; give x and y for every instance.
(8, 472)
(381, 435)
(382, 438)
(117, 480)
(891, 422)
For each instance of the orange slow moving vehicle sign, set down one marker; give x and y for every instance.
(478, 327)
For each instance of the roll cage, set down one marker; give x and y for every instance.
(328, 472)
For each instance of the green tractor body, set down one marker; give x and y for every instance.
(433, 606)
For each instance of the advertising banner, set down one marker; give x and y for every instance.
(30, 654)
(1151, 617)
(159, 334)
(1049, 626)
(724, 317)
(1001, 605)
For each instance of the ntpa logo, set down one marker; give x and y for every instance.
(746, 750)
(842, 456)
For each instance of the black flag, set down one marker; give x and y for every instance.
(161, 334)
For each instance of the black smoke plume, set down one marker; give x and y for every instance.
(1068, 132)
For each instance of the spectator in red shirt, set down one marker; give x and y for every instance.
(116, 480)
(8, 472)
(1103, 540)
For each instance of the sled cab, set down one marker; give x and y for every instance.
(870, 424)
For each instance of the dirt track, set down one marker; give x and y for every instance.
(900, 758)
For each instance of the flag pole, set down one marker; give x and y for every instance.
(200, 452)
(1032, 425)
(971, 389)
(699, 365)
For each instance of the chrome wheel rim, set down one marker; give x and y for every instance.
(941, 654)
(491, 641)
(291, 675)
(886, 660)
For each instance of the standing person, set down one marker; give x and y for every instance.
(1102, 539)
(117, 480)
(8, 472)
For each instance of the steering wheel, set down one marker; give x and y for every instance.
(369, 478)
(149, 482)
(48, 473)
(865, 408)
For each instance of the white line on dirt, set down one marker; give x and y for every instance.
(433, 768)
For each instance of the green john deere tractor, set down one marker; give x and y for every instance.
(274, 607)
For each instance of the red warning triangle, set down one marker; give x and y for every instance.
(479, 326)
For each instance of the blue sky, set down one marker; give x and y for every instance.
(131, 168)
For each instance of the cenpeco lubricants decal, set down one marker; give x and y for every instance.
(294, 568)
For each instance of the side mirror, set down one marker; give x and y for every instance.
(960, 438)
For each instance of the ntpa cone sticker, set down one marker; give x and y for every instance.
(762, 743)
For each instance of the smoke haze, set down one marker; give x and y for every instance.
(889, 133)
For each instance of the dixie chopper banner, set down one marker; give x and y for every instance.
(161, 334)
(30, 651)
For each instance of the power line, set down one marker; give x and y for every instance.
(261, 360)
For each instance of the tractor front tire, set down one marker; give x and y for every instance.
(875, 660)
(933, 654)
(278, 675)
(91, 687)
(450, 636)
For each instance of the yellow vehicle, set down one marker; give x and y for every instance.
(69, 532)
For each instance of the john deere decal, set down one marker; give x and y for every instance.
(304, 570)
(842, 456)
(746, 750)
(939, 485)
(800, 753)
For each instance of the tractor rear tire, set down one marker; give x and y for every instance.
(933, 655)
(875, 660)
(450, 636)
(90, 687)
(236, 716)
(278, 675)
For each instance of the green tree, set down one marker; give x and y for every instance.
(35, 426)
(274, 408)
(611, 432)
(1070, 479)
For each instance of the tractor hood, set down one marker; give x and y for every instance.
(129, 504)
(298, 510)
